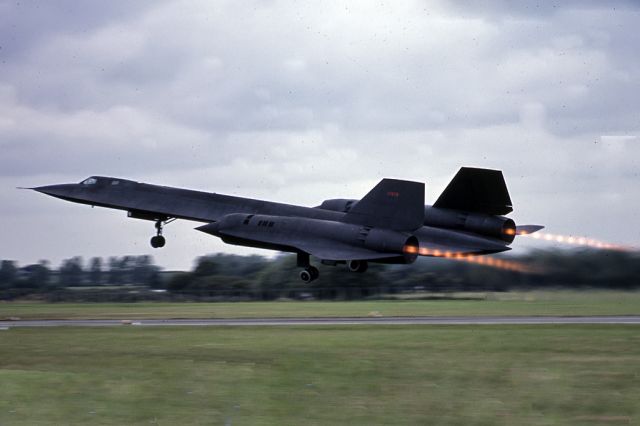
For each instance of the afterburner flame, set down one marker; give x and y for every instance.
(577, 241)
(477, 259)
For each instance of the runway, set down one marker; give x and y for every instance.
(254, 322)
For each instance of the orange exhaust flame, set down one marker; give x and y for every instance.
(477, 259)
(577, 241)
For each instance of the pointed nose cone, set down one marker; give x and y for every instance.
(59, 191)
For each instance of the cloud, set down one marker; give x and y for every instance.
(299, 102)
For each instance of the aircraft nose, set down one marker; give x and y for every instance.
(63, 190)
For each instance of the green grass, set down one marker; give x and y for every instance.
(514, 303)
(358, 375)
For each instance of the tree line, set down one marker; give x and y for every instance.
(233, 277)
(75, 273)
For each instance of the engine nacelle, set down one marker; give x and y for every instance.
(386, 240)
(483, 224)
(499, 227)
(278, 232)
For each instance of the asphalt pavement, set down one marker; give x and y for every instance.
(460, 320)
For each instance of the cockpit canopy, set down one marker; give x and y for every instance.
(104, 181)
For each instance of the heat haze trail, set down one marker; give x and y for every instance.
(578, 241)
(509, 265)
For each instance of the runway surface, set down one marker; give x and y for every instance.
(329, 321)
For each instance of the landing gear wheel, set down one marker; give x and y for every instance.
(359, 266)
(309, 274)
(158, 241)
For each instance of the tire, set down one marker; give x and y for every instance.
(359, 266)
(309, 274)
(158, 241)
(315, 274)
(305, 276)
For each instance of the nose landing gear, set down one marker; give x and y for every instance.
(159, 241)
(160, 220)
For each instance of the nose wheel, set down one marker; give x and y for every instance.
(159, 241)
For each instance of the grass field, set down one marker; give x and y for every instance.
(357, 375)
(512, 303)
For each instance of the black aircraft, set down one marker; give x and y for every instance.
(391, 224)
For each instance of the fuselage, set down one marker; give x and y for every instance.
(390, 224)
(170, 202)
(161, 203)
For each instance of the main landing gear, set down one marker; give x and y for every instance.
(309, 273)
(159, 241)
(359, 266)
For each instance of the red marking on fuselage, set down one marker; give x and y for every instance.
(393, 194)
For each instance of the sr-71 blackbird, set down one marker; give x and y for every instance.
(391, 224)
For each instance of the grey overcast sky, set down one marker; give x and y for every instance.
(303, 101)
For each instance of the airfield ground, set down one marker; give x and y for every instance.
(453, 304)
(358, 375)
(321, 375)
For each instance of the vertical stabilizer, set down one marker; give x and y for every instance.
(476, 191)
(392, 204)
